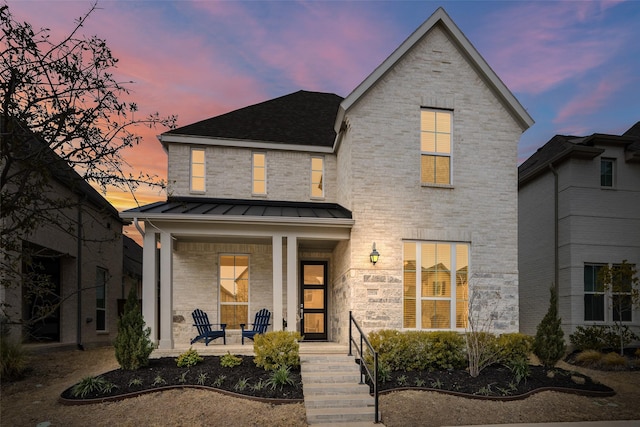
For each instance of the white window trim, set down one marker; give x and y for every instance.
(253, 168)
(454, 284)
(204, 184)
(431, 153)
(220, 303)
(608, 302)
(323, 178)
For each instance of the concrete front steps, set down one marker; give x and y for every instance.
(333, 395)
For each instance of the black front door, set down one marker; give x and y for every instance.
(313, 279)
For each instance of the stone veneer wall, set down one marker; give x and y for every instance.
(479, 208)
(195, 284)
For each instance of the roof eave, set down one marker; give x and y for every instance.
(241, 143)
(576, 151)
(240, 219)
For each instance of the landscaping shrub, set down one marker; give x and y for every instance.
(13, 356)
(590, 358)
(230, 361)
(482, 351)
(189, 358)
(277, 349)
(548, 344)
(417, 350)
(132, 344)
(600, 337)
(587, 338)
(613, 361)
(514, 347)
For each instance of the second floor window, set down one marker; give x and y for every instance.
(197, 170)
(317, 177)
(435, 147)
(259, 174)
(606, 172)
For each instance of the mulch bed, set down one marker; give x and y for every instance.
(163, 373)
(495, 382)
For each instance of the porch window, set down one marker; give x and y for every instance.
(435, 285)
(234, 290)
(259, 174)
(101, 300)
(317, 177)
(435, 147)
(197, 170)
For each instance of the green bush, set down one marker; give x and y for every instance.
(548, 344)
(90, 385)
(132, 344)
(230, 361)
(587, 338)
(13, 356)
(277, 349)
(189, 358)
(417, 350)
(514, 347)
(596, 337)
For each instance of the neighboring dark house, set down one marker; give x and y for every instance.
(579, 209)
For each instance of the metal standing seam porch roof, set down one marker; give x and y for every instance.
(195, 208)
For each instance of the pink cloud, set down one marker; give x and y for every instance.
(591, 99)
(537, 46)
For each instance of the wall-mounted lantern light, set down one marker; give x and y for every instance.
(374, 255)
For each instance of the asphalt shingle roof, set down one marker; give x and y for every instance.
(304, 118)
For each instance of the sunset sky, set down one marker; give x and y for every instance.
(574, 65)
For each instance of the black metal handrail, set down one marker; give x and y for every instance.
(372, 376)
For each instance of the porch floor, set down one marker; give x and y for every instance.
(215, 349)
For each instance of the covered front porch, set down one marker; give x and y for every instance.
(231, 266)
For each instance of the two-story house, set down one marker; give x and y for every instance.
(282, 204)
(74, 256)
(579, 209)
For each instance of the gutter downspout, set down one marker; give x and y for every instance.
(556, 250)
(140, 230)
(79, 278)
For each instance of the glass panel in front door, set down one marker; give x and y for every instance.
(314, 300)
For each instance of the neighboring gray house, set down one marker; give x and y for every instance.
(579, 209)
(278, 204)
(81, 255)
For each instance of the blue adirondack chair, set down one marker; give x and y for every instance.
(259, 325)
(201, 322)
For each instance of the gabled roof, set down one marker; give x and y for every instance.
(300, 118)
(440, 17)
(562, 147)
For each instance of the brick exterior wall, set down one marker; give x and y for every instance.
(391, 205)
(288, 173)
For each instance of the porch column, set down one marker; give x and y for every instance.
(166, 294)
(149, 283)
(292, 284)
(277, 281)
